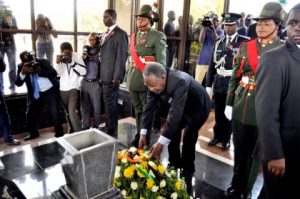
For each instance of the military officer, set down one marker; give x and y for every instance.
(240, 99)
(146, 45)
(219, 72)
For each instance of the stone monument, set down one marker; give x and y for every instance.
(88, 165)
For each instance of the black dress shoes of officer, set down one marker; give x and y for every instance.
(30, 137)
(225, 145)
(231, 193)
(13, 142)
(213, 142)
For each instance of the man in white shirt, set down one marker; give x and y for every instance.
(70, 68)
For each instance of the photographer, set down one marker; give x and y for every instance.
(208, 35)
(42, 86)
(90, 87)
(5, 127)
(70, 68)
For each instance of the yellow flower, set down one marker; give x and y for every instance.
(161, 169)
(143, 164)
(150, 183)
(178, 185)
(140, 174)
(153, 165)
(129, 171)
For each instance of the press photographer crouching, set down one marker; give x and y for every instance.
(90, 87)
(42, 86)
(70, 68)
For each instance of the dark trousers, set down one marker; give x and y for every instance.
(90, 97)
(5, 127)
(186, 158)
(170, 55)
(110, 97)
(282, 187)
(223, 127)
(70, 101)
(138, 100)
(50, 98)
(245, 168)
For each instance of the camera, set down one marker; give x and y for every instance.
(86, 52)
(206, 22)
(64, 58)
(35, 66)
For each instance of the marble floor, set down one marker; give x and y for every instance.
(35, 168)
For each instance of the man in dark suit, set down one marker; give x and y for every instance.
(189, 110)
(219, 73)
(42, 86)
(113, 56)
(277, 111)
(169, 30)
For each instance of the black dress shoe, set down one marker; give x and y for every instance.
(231, 193)
(57, 135)
(30, 137)
(13, 142)
(213, 142)
(225, 145)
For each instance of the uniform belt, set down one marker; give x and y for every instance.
(248, 83)
(224, 73)
(90, 80)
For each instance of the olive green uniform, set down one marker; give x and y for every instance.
(241, 96)
(152, 43)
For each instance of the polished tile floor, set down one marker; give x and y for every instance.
(35, 168)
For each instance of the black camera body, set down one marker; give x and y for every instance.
(64, 59)
(34, 65)
(206, 22)
(86, 53)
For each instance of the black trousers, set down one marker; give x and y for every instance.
(282, 187)
(185, 159)
(245, 169)
(110, 97)
(223, 127)
(51, 99)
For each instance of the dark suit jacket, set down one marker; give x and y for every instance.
(187, 98)
(113, 56)
(45, 69)
(242, 31)
(277, 103)
(252, 31)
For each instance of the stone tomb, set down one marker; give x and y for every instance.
(88, 165)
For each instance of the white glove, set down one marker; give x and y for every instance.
(228, 112)
(209, 91)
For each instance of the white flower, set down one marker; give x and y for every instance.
(117, 175)
(174, 195)
(117, 172)
(154, 188)
(132, 149)
(124, 160)
(173, 173)
(160, 197)
(168, 174)
(134, 185)
(162, 183)
(124, 193)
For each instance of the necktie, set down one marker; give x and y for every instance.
(35, 85)
(229, 39)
